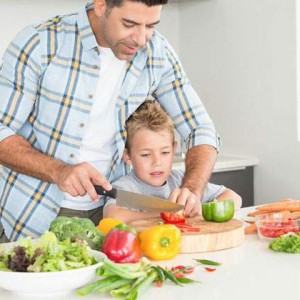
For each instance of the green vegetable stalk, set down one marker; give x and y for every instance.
(127, 281)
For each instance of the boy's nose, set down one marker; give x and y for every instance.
(157, 160)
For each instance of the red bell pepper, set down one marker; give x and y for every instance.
(173, 218)
(122, 246)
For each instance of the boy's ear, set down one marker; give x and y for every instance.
(126, 157)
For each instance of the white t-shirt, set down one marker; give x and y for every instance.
(98, 140)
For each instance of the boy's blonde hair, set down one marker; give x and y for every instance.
(149, 115)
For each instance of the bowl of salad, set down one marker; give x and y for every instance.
(273, 225)
(47, 266)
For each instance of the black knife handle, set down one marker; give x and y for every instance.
(101, 191)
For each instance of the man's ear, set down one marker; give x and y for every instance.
(126, 157)
(100, 7)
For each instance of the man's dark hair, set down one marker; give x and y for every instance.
(118, 3)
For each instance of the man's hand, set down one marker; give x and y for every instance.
(78, 180)
(192, 204)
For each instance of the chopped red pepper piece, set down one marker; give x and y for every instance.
(158, 283)
(210, 269)
(187, 228)
(173, 218)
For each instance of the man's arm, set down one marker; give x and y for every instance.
(199, 164)
(17, 154)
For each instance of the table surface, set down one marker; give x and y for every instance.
(250, 271)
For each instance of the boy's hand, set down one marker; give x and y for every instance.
(185, 197)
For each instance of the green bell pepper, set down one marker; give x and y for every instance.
(218, 211)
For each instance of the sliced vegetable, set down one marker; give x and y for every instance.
(277, 228)
(210, 269)
(172, 217)
(218, 211)
(122, 246)
(161, 242)
(187, 228)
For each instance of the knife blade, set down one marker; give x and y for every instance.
(138, 201)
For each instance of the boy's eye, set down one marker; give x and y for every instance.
(166, 152)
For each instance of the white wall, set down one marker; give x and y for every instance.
(241, 58)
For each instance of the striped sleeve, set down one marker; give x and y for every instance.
(19, 77)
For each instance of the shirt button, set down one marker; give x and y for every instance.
(81, 125)
(90, 96)
(96, 67)
(72, 155)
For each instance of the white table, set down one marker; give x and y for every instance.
(250, 271)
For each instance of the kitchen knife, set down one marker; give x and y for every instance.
(138, 201)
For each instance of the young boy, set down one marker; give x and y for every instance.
(150, 149)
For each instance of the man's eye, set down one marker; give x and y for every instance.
(166, 152)
(145, 155)
(129, 25)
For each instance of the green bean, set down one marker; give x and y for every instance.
(121, 291)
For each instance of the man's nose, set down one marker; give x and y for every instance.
(140, 37)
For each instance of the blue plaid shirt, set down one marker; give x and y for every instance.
(48, 80)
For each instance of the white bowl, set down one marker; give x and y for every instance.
(50, 283)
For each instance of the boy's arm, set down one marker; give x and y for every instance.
(230, 194)
(126, 215)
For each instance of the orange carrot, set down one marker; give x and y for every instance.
(251, 228)
(282, 205)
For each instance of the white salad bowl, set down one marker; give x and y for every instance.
(50, 283)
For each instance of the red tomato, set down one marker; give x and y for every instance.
(276, 229)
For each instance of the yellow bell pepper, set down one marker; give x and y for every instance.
(161, 242)
(106, 224)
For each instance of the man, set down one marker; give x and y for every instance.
(67, 87)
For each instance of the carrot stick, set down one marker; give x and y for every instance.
(280, 206)
(251, 228)
(283, 205)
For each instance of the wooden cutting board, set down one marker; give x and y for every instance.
(212, 236)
